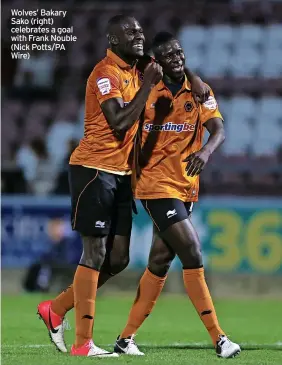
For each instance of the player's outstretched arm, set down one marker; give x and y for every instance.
(122, 118)
(198, 160)
(200, 90)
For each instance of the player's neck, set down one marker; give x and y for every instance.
(173, 85)
(171, 80)
(129, 60)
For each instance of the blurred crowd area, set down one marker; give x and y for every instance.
(235, 46)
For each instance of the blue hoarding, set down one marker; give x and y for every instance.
(237, 234)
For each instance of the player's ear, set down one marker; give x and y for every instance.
(113, 40)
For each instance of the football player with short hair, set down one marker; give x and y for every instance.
(171, 158)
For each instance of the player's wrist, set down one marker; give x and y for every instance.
(148, 84)
(206, 149)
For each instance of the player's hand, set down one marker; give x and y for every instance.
(196, 162)
(153, 73)
(200, 90)
(143, 62)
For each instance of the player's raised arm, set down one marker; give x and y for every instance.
(200, 90)
(120, 118)
(143, 62)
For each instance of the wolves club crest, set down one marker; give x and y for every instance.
(188, 106)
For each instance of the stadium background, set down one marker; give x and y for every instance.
(236, 46)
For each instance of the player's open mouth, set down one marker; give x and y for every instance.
(177, 68)
(138, 46)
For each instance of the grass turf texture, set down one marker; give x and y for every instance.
(173, 334)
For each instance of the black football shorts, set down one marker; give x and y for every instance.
(101, 202)
(165, 212)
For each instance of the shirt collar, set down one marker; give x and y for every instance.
(186, 85)
(121, 63)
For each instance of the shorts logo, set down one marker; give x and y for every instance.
(100, 224)
(211, 103)
(169, 127)
(171, 213)
(104, 85)
(188, 106)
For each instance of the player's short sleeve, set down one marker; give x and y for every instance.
(106, 83)
(209, 109)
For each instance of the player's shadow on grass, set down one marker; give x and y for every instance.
(209, 347)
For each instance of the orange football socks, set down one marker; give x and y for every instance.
(85, 289)
(63, 302)
(197, 289)
(149, 289)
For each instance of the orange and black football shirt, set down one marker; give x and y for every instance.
(173, 128)
(99, 148)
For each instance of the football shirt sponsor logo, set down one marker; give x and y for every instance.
(169, 127)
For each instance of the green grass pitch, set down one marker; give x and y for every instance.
(173, 334)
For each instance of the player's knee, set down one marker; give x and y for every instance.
(193, 259)
(196, 262)
(197, 255)
(118, 265)
(159, 265)
(94, 251)
(159, 270)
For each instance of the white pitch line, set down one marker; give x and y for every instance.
(26, 346)
(278, 344)
(175, 344)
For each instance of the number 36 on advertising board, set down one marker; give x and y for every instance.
(254, 243)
